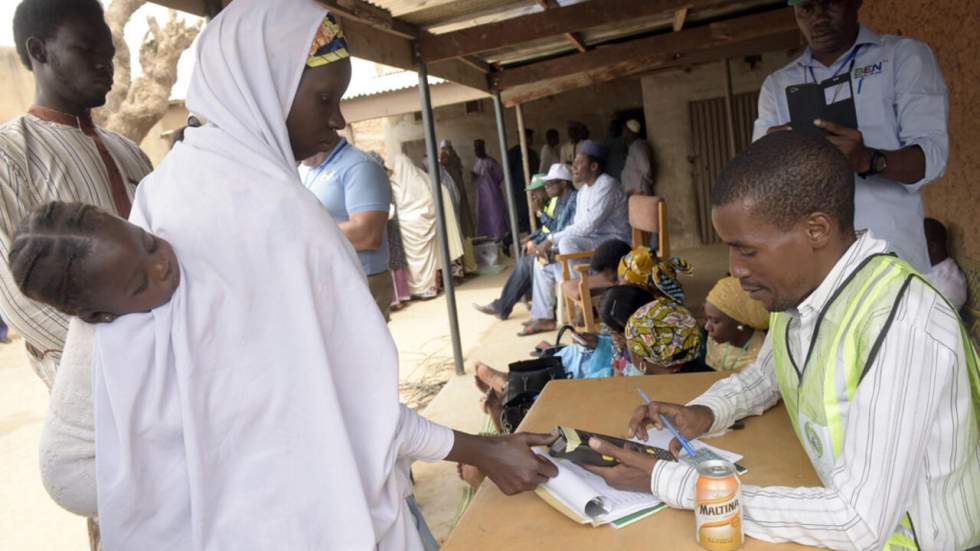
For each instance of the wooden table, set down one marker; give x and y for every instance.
(524, 522)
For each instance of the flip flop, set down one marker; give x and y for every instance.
(533, 328)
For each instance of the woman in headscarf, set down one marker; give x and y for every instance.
(450, 160)
(641, 267)
(736, 325)
(213, 436)
(460, 249)
(663, 337)
(412, 193)
(397, 262)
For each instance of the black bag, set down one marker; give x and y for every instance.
(542, 351)
(525, 381)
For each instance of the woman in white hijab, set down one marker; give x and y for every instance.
(210, 435)
(412, 193)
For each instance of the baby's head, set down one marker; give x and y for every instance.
(88, 263)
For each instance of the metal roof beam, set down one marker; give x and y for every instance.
(673, 46)
(551, 22)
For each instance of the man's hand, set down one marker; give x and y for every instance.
(536, 203)
(542, 248)
(850, 142)
(529, 247)
(779, 128)
(691, 421)
(510, 463)
(632, 473)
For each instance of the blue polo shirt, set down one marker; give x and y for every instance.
(349, 181)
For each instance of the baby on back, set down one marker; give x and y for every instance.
(87, 263)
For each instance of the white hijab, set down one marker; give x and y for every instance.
(258, 409)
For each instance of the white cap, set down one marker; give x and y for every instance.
(558, 171)
(634, 126)
(445, 143)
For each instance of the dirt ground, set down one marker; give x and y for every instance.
(29, 520)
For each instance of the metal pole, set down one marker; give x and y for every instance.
(526, 161)
(428, 123)
(729, 111)
(509, 192)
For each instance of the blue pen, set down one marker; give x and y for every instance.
(663, 419)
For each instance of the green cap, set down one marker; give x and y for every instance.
(537, 182)
(793, 2)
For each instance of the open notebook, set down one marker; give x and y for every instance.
(587, 499)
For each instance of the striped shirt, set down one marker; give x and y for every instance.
(910, 437)
(49, 156)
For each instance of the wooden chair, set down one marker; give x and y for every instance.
(647, 215)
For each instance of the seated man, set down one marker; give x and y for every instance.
(604, 266)
(945, 274)
(556, 216)
(601, 214)
(877, 374)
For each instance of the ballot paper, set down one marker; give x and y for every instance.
(587, 499)
(661, 438)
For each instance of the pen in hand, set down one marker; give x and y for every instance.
(670, 426)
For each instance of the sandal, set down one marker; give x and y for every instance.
(534, 327)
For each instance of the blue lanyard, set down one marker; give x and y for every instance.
(850, 59)
(319, 170)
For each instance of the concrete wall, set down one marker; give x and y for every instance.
(156, 144)
(17, 90)
(665, 102)
(950, 28)
(949, 31)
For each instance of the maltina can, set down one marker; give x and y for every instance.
(718, 506)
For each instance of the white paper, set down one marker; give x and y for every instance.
(661, 439)
(576, 487)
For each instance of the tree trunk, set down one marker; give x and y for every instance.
(116, 16)
(132, 108)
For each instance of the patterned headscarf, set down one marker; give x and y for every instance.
(640, 268)
(728, 296)
(664, 333)
(329, 45)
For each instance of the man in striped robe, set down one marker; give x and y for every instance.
(55, 152)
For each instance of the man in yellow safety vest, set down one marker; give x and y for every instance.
(879, 379)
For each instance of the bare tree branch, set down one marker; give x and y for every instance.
(132, 108)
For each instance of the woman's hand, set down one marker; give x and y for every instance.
(512, 466)
(633, 471)
(691, 421)
(507, 460)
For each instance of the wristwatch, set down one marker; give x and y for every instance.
(877, 165)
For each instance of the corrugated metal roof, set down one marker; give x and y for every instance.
(365, 80)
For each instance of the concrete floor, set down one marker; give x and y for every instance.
(29, 520)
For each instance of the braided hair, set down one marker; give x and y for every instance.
(46, 245)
